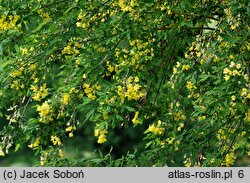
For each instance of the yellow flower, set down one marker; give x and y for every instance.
(178, 64)
(16, 85)
(238, 66)
(179, 116)
(56, 140)
(111, 68)
(91, 90)
(170, 140)
(198, 54)
(102, 136)
(226, 77)
(60, 153)
(227, 71)
(233, 26)
(39, 93)
(201, 118)
(136, 79)
(232, 64)
(69, 129)
(80, 16)
(235, 72)
(231, 56)
(244, 92)
(66, 98)
(78, 24)
(67, 50)
(135, 120)
(23, 51)
(130, 79)
(190, 86)
(187, 162)
(96, 132)
(16, 73)
(35, 144)
(105, 116)
(169, 12)
(101, 139)
(175, 71)
(157, 130)
(229, 159)
(91, 96)
(1, 152)
(97, 87)
(248, 116)
(246, 77)
(181, 125)
(44, 109)
(233, 97)
(185, 67)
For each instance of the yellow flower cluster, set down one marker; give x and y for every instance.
(187, 162)
(66, 98)
(85, 21)
(140, 51)
(8, 22)
(185, 67)
(229, 159)
(137, 56)
(180, 126)
(170, 140)
(245, 93)
(221, 135)
(234, 71)
(179, 116)
(16, 73)
(23, 51)
(164, 7)
(248, 116)
(101, 134)
(90, 91)
(136, 120)
(111, 68)
(175, 69)
(16, 85)
(190, 86)
(45, 111)
(72, 48)
(70, 129)
(131, 90)
(157, 130)
(35, 144)
(81, 21)
(232, 21)
(195, 49)
(99, 48)
(39, 93)
(55, 140)
(44, 158)
(44, 15)
(126, 5)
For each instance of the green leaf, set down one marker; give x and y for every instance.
(130, 109)
(17, 147)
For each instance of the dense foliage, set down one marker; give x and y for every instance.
(174, 73)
